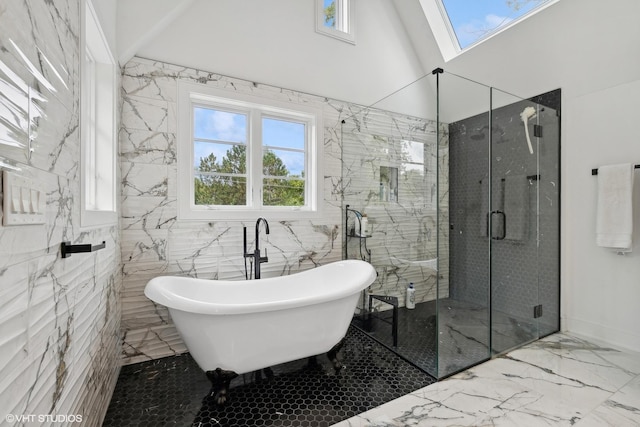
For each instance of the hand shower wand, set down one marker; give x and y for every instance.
(527, 114)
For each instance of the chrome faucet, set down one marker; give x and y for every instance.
(257, 258)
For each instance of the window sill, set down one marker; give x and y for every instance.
(246, 214)
(339, 35)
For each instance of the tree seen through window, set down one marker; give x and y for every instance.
(224, 182)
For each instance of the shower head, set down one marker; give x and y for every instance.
(527, 114)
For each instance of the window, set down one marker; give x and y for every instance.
(97, 121)
(243, 157)
(460, 24)
(412, 157)
(335, 19)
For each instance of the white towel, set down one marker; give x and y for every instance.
(614, 221)
(516, 206)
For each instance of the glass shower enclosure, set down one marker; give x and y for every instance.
(463, 207)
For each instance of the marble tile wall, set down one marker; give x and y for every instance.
(403, 241)
(155, 242)
(59, 318)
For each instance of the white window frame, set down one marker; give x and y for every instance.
(191, 95)
(97, 124)
(345, 22)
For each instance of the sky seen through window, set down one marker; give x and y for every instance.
(474, 20)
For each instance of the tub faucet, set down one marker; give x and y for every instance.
(257, 257)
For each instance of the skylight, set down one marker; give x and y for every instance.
(473, 21)
(460, 24)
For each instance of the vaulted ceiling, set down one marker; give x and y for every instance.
(579, 45)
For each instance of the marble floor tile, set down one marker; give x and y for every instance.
(560, 380)
(621, 409)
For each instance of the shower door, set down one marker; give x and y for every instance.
(501, 245)
(513, 223)
(524, 220)
(473, 225)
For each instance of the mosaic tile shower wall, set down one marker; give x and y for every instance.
(60, 317)
(390, 174)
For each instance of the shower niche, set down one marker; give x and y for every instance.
(465, 205)
(388, 189)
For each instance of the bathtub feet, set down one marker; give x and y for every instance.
(333, 356)
(220, 380)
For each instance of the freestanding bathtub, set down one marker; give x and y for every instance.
(244, 326)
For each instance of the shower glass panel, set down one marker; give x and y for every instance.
(503, 218)
(462, 202)
(464, 222)
(548, 186)
(389, 173)
(514, 212)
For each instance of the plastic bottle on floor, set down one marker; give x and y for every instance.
(411, 297)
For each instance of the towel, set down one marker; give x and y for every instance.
(614, 218)
(516, 206)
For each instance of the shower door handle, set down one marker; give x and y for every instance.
(504, 225)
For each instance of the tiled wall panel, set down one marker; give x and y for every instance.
(155, 242)
(60, 318)
(403, 243)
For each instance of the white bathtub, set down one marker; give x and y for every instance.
(243, 326)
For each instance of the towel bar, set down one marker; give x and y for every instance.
(66, 248)
(595, 171)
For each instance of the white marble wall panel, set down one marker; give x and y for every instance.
(404, 230)
(140, 344)
(148, 212)
(141, 179)
(154, 242)
(59, 321)
(144, 245)
(37, 62)
(145, 114)
(151, 80)
(15, 323)
(149, 147)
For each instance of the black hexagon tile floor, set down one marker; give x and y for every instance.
(174, 391)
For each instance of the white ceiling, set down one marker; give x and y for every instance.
(275, 42)
(578, 45)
